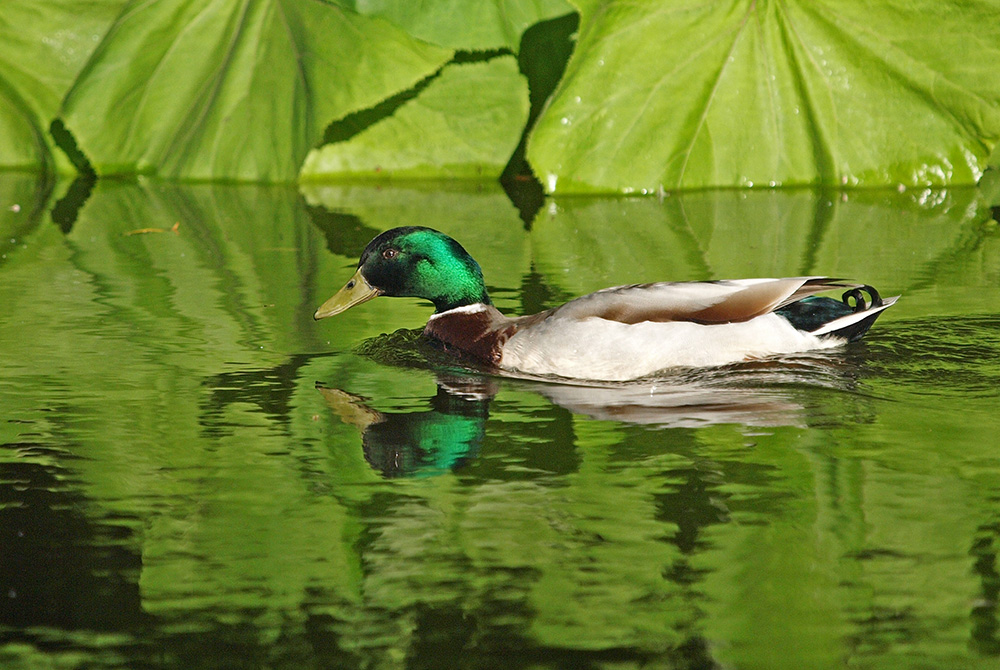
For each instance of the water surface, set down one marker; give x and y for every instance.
(194, 474)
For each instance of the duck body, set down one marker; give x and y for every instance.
(615, 334)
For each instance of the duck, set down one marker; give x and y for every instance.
(615, 334)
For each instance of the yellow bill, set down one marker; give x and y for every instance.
(355, 292)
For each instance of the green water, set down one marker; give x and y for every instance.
(195, 474)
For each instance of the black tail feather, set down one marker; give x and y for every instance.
(857, 330)
(859, 297)
(816, 314)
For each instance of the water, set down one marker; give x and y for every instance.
(194, 474)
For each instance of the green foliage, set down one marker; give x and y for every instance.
(768, 93)
(474, 112)
(232, 89)
(43, 47)
(658, 94)
(467, 25)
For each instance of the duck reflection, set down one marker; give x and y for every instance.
(765, 393)
(443, 438)
(450, 433)
(679, 405)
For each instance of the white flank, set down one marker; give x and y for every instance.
(600, 349)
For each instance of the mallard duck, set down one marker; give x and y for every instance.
(615, 334)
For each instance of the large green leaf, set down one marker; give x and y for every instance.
(671, 93)
(471, 25)
(43, 46)
(231, 88)
(474, 114)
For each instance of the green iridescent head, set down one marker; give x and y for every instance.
(412, 262)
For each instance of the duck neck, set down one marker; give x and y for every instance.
(460, 296)
(451, 281)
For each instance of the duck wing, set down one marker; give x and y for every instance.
(726, 301)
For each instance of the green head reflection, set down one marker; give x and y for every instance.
(420, 444)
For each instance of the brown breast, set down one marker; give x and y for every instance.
(478, 331)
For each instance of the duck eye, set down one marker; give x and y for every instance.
(389, 254)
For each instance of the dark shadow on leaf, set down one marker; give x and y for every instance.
(545, 50)
(356, 122)
(65, 140)
(65, 211)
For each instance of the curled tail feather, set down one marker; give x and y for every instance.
(848, 318)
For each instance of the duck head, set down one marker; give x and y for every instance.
(414, 262)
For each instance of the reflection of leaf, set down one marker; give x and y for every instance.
(234, 511)
(234, 89)
(472, 25)
(723, 234)
(580, 246)
(908, 242)
(240, 249)
(23, 199)
(478, 215)
(695, 94)
(465, 124)
(43, 46)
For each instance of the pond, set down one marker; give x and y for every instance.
(195, 474)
